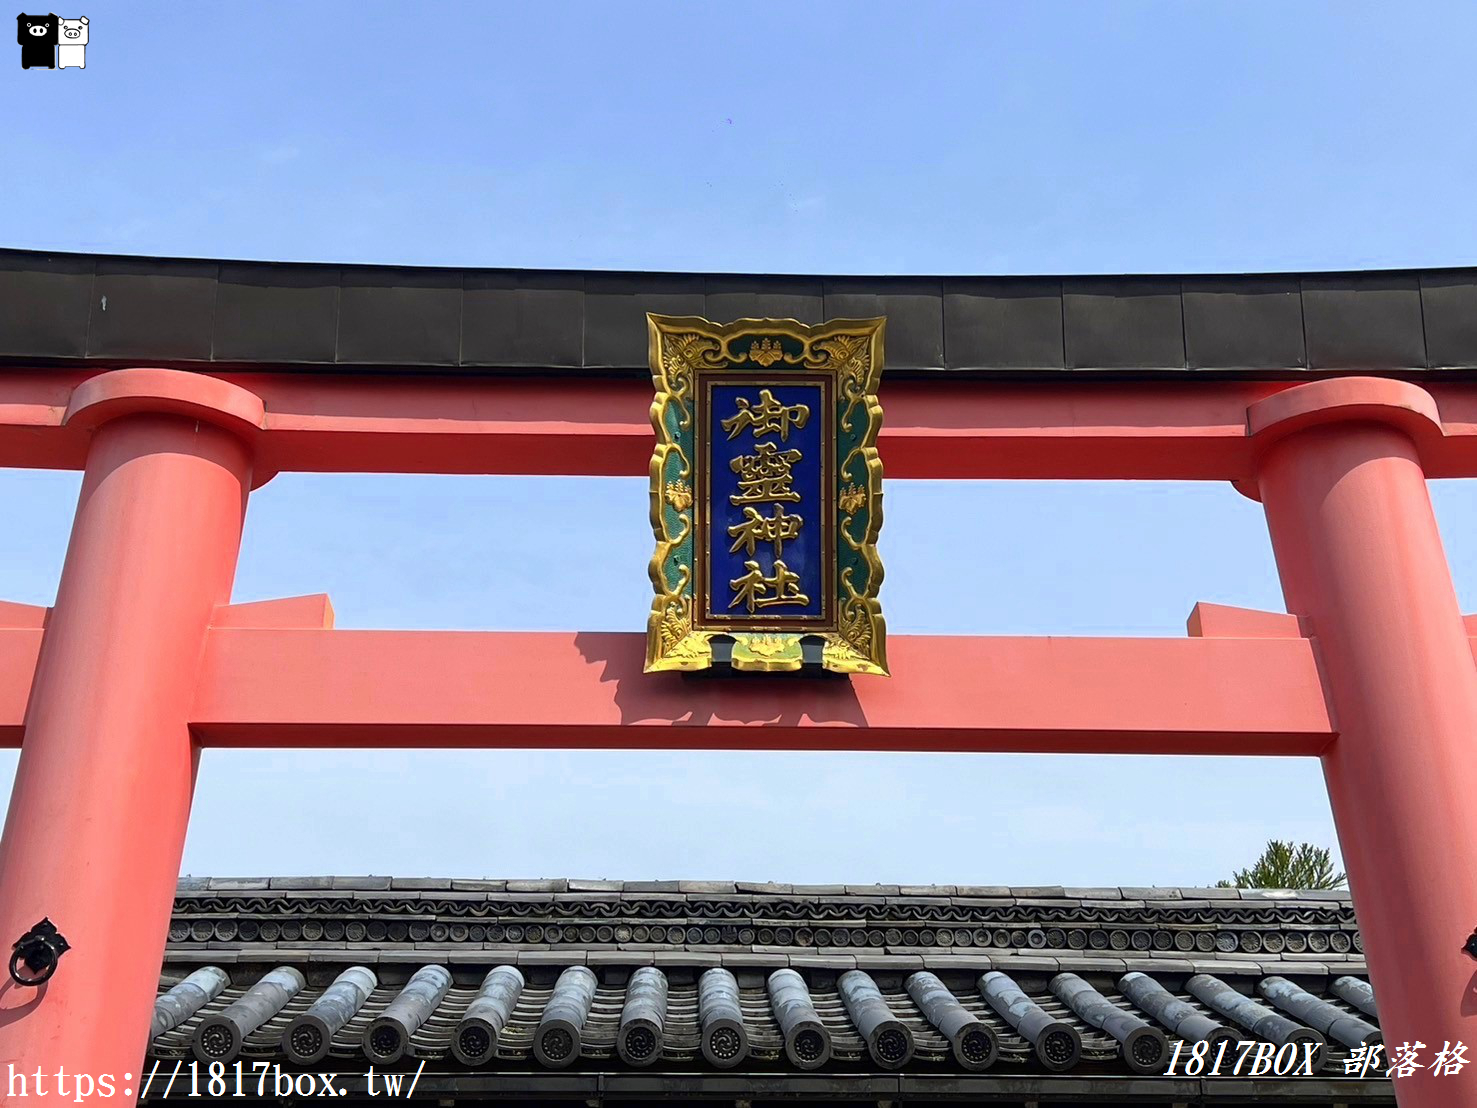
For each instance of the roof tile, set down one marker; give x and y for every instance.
(236, 884)
(364, 883)
(409, 883)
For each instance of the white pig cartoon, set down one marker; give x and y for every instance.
(72, 51)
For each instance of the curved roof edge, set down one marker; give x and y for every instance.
(379, 883)
(1052, 925)
(44, 252)
(70, 310)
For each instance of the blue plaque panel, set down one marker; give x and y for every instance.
(768, 501)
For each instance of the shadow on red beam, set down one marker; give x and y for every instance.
(875, 740)
(932, 429)
(281, 688)
(19, 649)
(935, 428)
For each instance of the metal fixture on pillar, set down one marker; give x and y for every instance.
(39, 950)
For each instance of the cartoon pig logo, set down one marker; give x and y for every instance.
(71, 50)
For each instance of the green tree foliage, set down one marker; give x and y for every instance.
(1285, 866)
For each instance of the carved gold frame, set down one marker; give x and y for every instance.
(684, 349)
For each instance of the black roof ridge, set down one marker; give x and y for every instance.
(62, 309)
(41, 252)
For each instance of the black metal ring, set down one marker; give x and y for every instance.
(17, 959)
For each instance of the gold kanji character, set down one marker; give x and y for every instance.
(755, 528)
(765, 475)
(754, 589)
(769, 417)
(786, 586)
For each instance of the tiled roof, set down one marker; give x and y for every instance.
(107, 309)
(972, 983)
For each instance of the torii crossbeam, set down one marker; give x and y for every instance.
(143, 661)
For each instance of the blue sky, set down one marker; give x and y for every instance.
(877, 138)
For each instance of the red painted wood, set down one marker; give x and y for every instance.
(1222, 621)
(938, 428)
(1360, 556)
(30, 616)
(102, 794)
(19, 649)
(558, 689)
(313, 612)
(269, 724)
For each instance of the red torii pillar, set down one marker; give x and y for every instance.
(1360, 556)
(97, 818)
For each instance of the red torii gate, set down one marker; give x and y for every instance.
(143, 661)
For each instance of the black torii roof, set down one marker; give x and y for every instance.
(1179, 938)
(111, 309)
